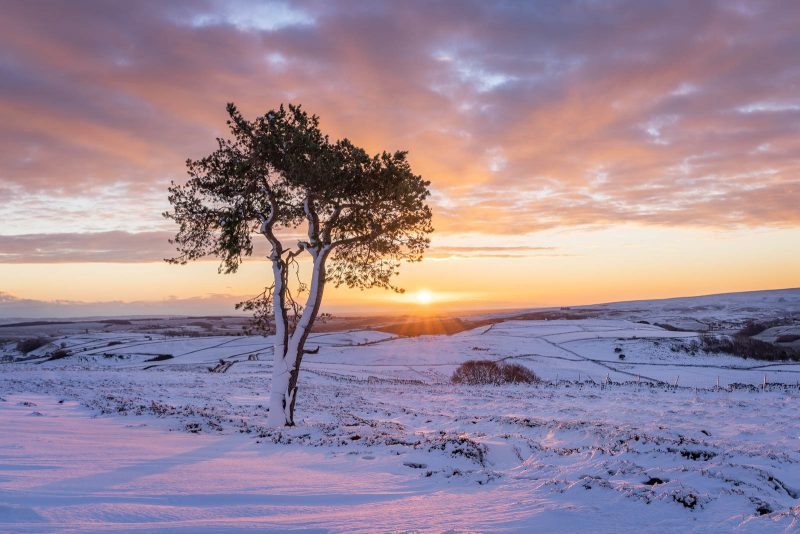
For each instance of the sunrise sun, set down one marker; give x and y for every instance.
(424, 296)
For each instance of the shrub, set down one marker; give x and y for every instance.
(58, 354)
(160, 358)
(788, 338)
(752, 329)
(477, 372)
(489, 372)
(518, 374)
(27, 345)
(748, 347)
(121, 322)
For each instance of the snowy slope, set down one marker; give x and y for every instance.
(131, 432)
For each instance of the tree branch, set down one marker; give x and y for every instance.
(327, 228)
(268, 222)
(313, 220)
(359, 238)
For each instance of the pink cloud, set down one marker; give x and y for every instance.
(524, 116)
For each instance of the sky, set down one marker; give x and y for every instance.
(578, 151)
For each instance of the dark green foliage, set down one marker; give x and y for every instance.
(279, 172)
(28, 345)
(374, 204)
(361, 214)
(475, 372)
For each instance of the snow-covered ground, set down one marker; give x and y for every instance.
(106, 440)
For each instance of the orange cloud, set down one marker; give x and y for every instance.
(524, 116)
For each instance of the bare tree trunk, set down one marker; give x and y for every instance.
(280, 403)
(286, 369)
(281, 370)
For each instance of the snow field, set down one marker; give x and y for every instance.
(386, 443)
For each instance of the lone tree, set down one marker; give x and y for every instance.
(362, 215)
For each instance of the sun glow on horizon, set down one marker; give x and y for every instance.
(424, 297)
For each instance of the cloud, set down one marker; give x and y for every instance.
(112, 247)
(489, 251)
(102, 247)
(244, 15)
(525, 116)
(128, 247)
(12, 308)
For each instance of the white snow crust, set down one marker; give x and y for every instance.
(104, 440)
